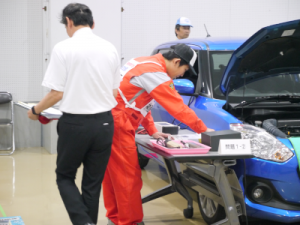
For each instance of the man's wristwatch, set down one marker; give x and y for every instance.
(33, 111)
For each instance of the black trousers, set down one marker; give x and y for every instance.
(83, 139)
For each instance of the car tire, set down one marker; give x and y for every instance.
(210, 210)
(143, 160)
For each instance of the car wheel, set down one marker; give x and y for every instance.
(143, 160)
(210, 210)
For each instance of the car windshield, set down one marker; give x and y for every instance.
(279, 84)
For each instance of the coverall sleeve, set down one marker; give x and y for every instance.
(166, 95)
(148, 124)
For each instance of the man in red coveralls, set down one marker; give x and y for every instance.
(145, 79)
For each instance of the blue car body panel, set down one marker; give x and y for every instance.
(212, 114)
(211, 43)
(269, 213)
(209, 110)
(184, 86)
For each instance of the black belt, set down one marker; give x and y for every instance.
(107, 113)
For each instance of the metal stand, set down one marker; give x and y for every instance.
(207, 174)
(215, 171)
(224, 196)
(175, 186)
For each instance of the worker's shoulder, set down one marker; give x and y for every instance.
(62, 46)
(90, 42)
(153, 63)
(106, 44)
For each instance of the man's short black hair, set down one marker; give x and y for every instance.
(171, 55)
(80, 14)
(177, 27)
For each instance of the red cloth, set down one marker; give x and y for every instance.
(44, 120)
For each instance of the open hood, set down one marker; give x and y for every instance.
(271, 51)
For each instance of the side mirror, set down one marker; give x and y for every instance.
(184, 86)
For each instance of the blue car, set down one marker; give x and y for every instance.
(251, 86)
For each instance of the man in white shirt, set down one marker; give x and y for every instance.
(183, 28)
(84, 74)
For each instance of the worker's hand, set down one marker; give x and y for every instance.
(209, 130)
(31, 115)
(160, 135)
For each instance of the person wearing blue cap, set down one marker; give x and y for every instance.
(183, 28)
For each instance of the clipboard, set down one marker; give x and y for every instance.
(50, 113)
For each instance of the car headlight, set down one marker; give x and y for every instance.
(263, 144)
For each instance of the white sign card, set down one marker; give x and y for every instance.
(234, 146)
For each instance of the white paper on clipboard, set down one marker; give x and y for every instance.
(49, 113)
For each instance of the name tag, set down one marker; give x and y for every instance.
(128, 66)
(235, 146)
(147, 108)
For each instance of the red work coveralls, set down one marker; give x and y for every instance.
(145, 79)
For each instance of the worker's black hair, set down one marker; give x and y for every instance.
(171, 55)
(177, 27)
(80, 15)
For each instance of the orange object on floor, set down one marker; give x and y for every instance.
(122, 181)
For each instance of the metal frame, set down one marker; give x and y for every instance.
(224, 187)
(10, 124)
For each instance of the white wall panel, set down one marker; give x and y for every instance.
(21, 48)
(107, 17)
(248, 17)
(145, 23)
(293, 10)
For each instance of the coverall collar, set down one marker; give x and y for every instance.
(161, 61)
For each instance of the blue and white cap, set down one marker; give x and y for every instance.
(183, 21)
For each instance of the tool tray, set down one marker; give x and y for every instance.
(183, 150)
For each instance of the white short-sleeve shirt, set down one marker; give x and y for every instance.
(87, 69)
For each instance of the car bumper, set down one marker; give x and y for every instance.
(269, 213)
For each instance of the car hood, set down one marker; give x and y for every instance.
(271, 51)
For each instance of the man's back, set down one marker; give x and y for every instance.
(89, 71)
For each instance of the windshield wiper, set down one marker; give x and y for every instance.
(289, 98)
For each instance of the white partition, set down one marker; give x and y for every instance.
(21, 42)
(146, 24)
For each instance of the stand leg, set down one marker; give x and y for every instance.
(189, 211)
(222, 222)
(226, 193)
(177, 185)
(159, 193)
(171, 188)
